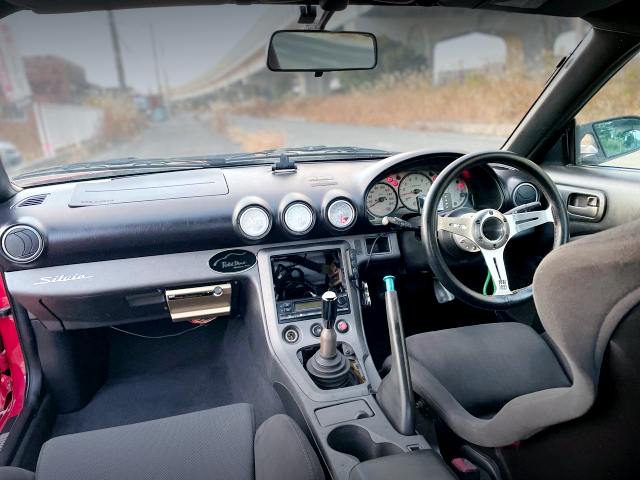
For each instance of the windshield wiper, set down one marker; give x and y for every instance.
(311, 151)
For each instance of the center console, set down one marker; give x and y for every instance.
(346, 421)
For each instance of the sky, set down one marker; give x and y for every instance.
(190, 41)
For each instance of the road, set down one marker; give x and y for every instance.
(299, 133)
(185, 135)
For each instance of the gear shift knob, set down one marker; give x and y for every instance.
(329, 309)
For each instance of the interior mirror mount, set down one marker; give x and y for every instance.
(320, 51)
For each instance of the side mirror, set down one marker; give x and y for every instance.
(321, 51)
(607, 140)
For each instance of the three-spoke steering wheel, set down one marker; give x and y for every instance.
(489, 229)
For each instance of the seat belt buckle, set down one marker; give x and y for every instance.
(464, 469)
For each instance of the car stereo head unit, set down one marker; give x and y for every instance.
(300, 279)
(308, 308)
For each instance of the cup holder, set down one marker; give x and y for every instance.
(356, 441)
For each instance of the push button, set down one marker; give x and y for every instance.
(316, 329)
(342, 326)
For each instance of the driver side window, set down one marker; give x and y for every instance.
(608, 127)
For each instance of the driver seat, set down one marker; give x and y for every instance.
(495, 385)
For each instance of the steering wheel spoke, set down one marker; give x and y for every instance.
(458, 225)
(495, 262)
(519, 222)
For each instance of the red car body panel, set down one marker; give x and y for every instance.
(12, 367)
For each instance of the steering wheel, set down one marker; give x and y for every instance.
(489, 229)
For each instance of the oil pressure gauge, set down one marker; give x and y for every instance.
(299, 218)
(341, 214)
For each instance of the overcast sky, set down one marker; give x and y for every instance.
(190, 41)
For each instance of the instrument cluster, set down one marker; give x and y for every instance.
(398, 193)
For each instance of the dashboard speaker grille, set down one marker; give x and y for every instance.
(22, 243)
(33, 201)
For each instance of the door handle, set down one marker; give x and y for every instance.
(584, 205)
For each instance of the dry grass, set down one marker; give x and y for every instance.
(122, 119)
(411, 100)
(618, 97)
(265, 139)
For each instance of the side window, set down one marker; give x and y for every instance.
(608, 127)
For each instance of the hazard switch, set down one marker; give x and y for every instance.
(342, 326)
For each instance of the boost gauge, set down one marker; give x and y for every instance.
(381, 200)
(341, 214)
(299, 218)
(254, 222)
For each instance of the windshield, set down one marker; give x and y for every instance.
(192, 82)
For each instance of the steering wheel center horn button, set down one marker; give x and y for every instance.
(490, 229)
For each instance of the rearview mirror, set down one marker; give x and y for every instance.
(321, 51)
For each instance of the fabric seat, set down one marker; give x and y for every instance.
(484, 366)
(220, 443)
(497, 384)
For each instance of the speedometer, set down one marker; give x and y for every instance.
(454, 196)
(412, 186)
(381, 200)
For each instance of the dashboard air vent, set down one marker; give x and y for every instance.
(525, 193)
(22, 243)
(33, 201)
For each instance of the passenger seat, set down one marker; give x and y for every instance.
(220, 443)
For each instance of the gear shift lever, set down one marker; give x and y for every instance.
(328, 338)
(328, 367)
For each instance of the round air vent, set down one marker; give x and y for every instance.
(525, 193)
(22, 243)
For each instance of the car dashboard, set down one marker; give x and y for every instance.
(106, 239)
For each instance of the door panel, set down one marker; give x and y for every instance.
(597, 198)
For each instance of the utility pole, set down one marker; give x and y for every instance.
(155, 60)
(116, 51)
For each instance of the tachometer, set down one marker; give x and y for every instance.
(341, 214)
(454, 196)
(411, 187)
(381, 200)
(254, 222)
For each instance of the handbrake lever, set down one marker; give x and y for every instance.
(395, 394)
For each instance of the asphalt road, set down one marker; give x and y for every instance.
(185, 135)
(300, 133)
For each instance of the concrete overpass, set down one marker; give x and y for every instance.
(421, 28)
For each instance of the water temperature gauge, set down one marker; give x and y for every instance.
(341, 214)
